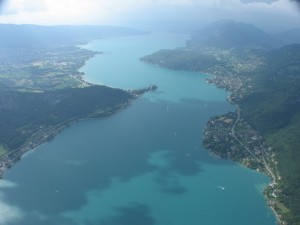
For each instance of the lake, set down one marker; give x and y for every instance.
(144, 165)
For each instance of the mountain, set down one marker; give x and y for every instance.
(26, 36)
(273, 109)
(230, 34)
(291, 36)
(181, 59)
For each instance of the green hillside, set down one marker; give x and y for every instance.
(273, 108)
(24, 114)
(181, 59)
(269, 99)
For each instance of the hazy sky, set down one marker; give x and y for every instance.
(268, 14)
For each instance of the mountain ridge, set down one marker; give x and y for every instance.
(231, 34)
(27, 36)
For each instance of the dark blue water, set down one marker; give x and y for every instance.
(144, 165)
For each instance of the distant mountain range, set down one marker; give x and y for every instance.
(230, 34)
(220, 34)
(291, 36)
(22, 36)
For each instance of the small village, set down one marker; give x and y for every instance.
(230, 137)
(219, 138)
(43, 69)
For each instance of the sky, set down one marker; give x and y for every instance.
(267, 14)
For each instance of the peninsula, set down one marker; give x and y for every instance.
(43, 91)
(263, 81)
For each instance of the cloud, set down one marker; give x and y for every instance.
(1, 2)
(136, 12)
(297, 2)
(8, 213)
(64, 11)
(269, 15)
(20, 6)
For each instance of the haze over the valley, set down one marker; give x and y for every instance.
(271, 15)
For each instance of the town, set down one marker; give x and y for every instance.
(43, 69)
(229, 136)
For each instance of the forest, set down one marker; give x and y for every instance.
(23, 114)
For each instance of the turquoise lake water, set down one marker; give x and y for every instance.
(144, 165)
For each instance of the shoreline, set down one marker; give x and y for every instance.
(14, 156)
(10, 158)
(267, 169)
